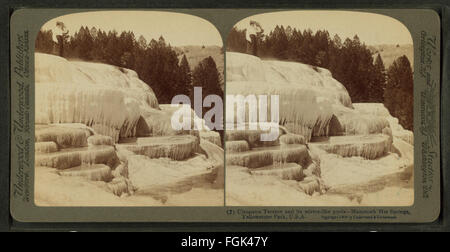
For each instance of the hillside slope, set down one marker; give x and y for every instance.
(391, 52)
(195, 54)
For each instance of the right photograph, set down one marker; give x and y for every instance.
(319, 110)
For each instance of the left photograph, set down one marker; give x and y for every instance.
(118, 110)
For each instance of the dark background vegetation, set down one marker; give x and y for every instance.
(351, 62)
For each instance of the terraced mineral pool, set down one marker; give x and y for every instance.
(288, 171)
(72, 157)
(367, 146)
(264, 156)
(174, 147)
(95, 172)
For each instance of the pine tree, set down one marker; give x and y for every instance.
(236, 41)
(398, 95)
(207, 76)
(306, 54)
(295, 41)
(354, 69)
(280, 43)
(127, 43)
(98, 50)
(139, 52)
(85, 43)
(142, 42)
(185, 82)
(378, 83)
(162, 71)
(335, 64)
(111, 52)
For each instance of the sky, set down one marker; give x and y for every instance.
(176, 28)
(183, 29)
(372, 29)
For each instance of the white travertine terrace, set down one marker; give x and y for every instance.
(103, 139)
(312, 102)
(109, 99)
(329, 152)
